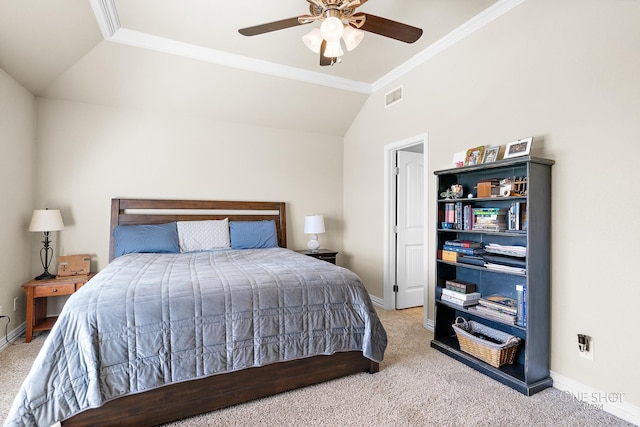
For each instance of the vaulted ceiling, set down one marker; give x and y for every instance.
(187, 55)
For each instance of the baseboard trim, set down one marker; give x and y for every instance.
(429, 324)
(378, 302)
(611, 402)
(13, 335)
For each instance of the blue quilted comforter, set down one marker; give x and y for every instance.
(148, 320)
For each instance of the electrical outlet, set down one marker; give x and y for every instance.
(15, 304)
(585, 346)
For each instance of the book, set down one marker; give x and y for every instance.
(514, 250)
(458, 216)
(521, 298)
(458, 301)
(517, 216)
(461, 296)
(488, 313)
(505, 268)
(505, 260)
(467, 217)
(463, 243)
(500, 303)
(461, 250)
(471, 259)
(460, 286)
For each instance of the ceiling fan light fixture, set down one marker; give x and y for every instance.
(313, 40)
(332, 29)
(352, 37)
(333, 50)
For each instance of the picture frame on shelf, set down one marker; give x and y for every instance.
(474, 156)
(491, 154)
(458, 159)
(521, 147)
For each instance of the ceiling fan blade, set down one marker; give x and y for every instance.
(271, 26)
(324, 61)
(388, 28)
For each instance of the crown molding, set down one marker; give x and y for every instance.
(107, 17)
(174, 47)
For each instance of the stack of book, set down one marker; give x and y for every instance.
(490, 219)
(460, 293)
(465, 247)
(497, 307)
(510, 259)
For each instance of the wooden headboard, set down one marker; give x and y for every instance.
(156, 211)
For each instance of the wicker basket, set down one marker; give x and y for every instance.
(496, 354)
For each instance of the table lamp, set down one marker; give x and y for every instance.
(45, 220)
(313, 225)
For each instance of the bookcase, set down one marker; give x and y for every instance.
(531, 229)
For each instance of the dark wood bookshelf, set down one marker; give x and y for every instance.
(530, 371)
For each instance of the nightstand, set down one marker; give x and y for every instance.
(37, 292)
(323, 254)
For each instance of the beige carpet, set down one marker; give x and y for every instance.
(416, 386)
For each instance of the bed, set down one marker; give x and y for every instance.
(264, 303)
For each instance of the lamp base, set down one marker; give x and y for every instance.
(45, 276)
(313, 244)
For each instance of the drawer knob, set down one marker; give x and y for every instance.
(55, 290)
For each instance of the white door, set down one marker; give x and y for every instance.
(410, 262)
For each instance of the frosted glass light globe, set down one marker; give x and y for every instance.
(332, 29)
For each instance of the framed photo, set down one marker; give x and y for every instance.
(521, 147)
(458, 158)
(491, 154)
(474, 156)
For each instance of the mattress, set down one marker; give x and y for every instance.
(148, 320)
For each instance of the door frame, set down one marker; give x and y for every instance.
(389, 261)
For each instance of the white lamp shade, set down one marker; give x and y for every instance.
(333, 50)
(313, 40)
(332, 29)
(313, 224)
(352, 37)
(46, 220)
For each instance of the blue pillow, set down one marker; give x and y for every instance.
(158, 238)
(253, 234)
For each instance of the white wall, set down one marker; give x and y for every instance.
(17, 174)
(96, 153)
(566, 73)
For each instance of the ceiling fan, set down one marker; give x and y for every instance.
(339, 20)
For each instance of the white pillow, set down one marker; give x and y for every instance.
(203, 235)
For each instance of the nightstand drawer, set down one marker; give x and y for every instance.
(52, 291)
(328, 258)
(327, 255)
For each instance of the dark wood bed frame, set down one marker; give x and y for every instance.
(181, 400)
